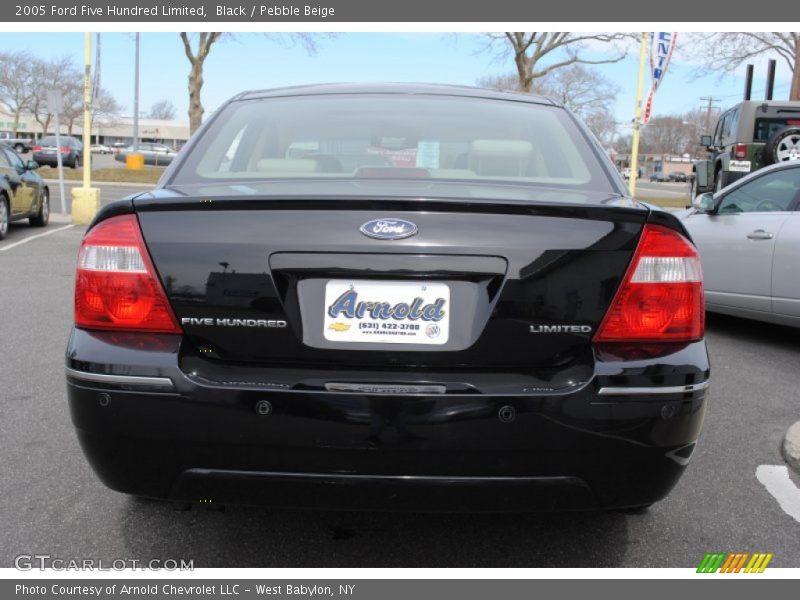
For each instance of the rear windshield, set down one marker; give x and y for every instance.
(50, 140)
(766, 128)
(394, 137)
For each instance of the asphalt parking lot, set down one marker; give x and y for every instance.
(53, 504)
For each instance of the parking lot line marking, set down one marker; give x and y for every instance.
(776, 479)
(33, 237)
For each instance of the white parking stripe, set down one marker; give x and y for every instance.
(776, 479)
(33, 237)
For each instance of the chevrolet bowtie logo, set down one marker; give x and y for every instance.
(339, 326)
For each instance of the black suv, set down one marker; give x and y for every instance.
(749, 136)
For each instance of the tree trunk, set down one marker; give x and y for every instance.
(16, 120)
(195, 104)
(196, 59)
(794, 94)
(524, 71)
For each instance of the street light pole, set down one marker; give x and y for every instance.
(136, 98)
(637, 121)
(86, 199)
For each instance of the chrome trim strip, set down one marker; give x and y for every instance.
(634, 391)
(386, 388)
(127, 379)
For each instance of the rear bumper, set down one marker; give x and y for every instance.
(151, 430)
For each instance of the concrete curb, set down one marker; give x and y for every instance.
(791, 447)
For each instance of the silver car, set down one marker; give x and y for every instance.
(748, 235)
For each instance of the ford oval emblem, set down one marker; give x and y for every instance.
(388, 229)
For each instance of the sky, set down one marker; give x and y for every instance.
(245, 61)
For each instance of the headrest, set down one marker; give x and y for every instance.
(501, 148)
(286, 165)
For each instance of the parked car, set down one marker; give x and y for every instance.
(158, 155)
(100, 149)
(749, 240)
(658, 177)
(45, 152)
(405, 296)
(20, 145)
(117, 147)
(678, 177)
(748, 137)
(23, 194)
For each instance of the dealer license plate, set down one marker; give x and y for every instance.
(387, 312)
(739, 166)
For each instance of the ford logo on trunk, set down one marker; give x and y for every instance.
(388, 229)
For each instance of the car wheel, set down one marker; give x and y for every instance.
(19, 148)
(783, 145)
(43, 217)
(3, 217)
(75, 162)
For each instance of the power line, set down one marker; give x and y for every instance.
(711, 105)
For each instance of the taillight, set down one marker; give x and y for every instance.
(37, 148)
(740, 151)
(661, 296)
(116, 286)
(65, 149)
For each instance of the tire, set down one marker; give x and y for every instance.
(4, 216)
(784, 145)
(43, 218)
(75, 163)
(19, 149)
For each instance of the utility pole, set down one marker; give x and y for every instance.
(711, 105)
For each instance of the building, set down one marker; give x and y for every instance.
(106, 131)
(657, 163)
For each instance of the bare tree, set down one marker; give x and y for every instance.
(584, 91)
(197, 58)
(105, 108)
(163, 109)
(51, 76)
(669, 134)
(727, 51)
(16, 83)
(531, 51)
(603, 125)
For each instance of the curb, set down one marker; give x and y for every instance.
(791, 447)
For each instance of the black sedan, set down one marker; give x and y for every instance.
(678, 177)
(394, 297)
(46, 150)
(23, 194)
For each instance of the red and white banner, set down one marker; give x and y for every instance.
(661, 46)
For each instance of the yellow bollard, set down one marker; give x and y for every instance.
(85, 204)
(134, 162)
